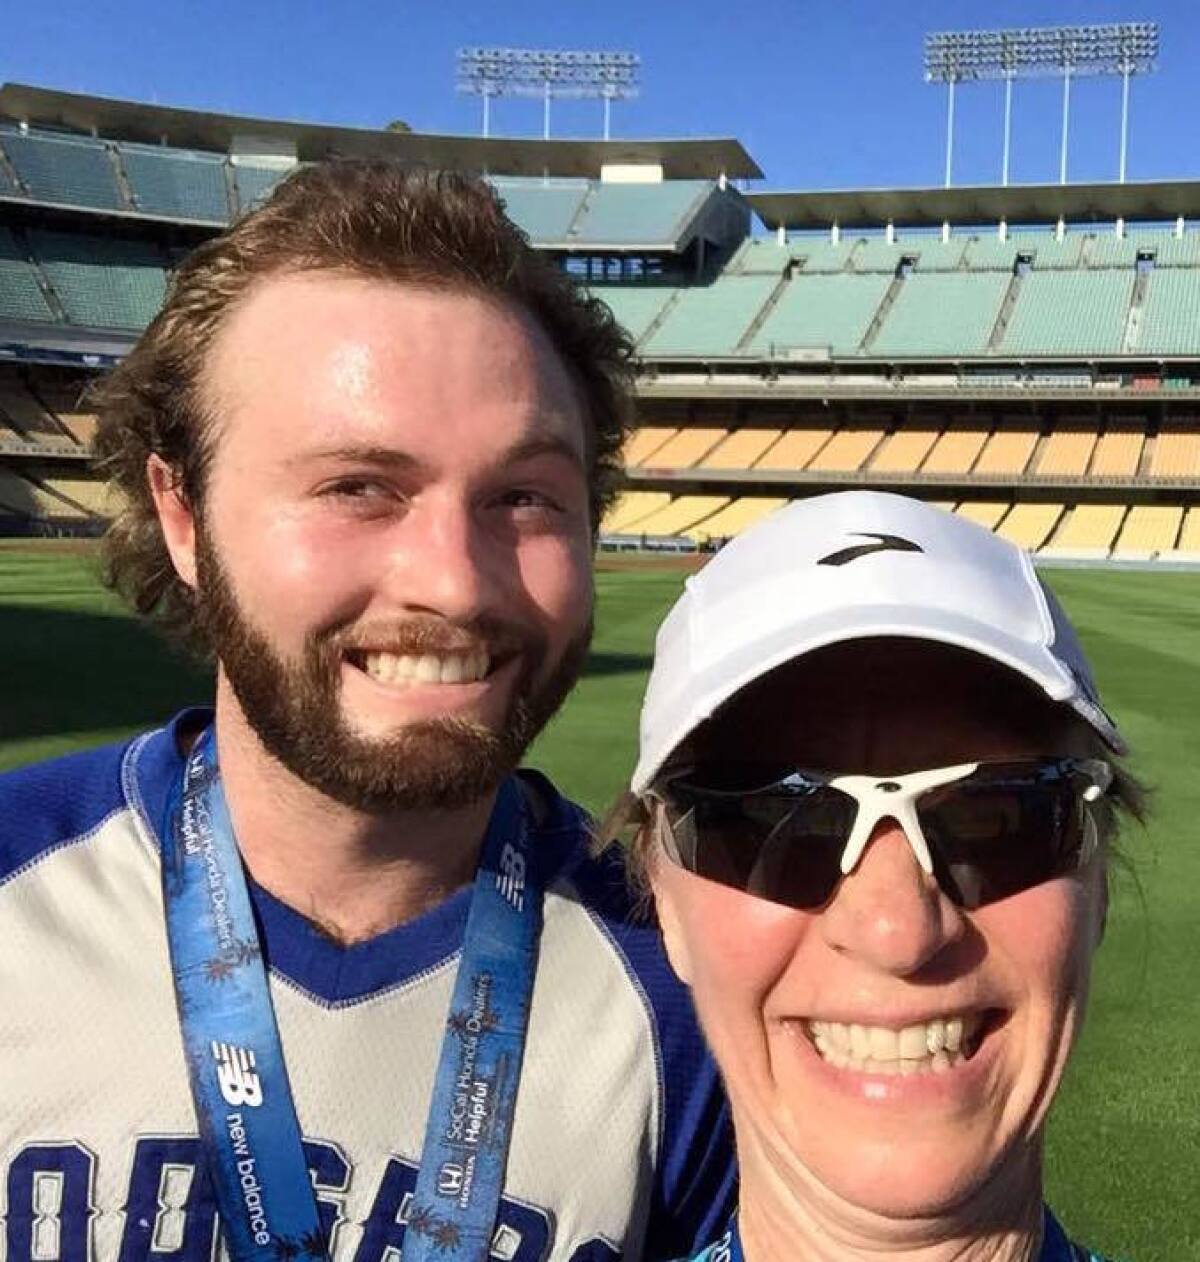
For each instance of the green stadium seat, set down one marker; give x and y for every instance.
(711, 319)
(1070, 313)
(544, 212)
(21, 296)
(634, 306)
(1170, 322)
(64, 169)
(831, 311)
(102, 282)
(942, 313)
(177, 182)
(639, 214)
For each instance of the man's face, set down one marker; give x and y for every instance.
(394, 553)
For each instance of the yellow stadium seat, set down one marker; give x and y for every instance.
(795, 449)
(1149, 528)
(1030, 525)
(1008, 451)
(956, 450)
(903, 451)
(1066, 452)
(1118, 453)
(735, 517)
(1176, 452)
(630, 508)
(1089, 529)
(847, 450)
(983, 512)
(684, 450)
(741, 449)
(681, 513)
(644, 442)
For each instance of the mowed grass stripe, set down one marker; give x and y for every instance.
(1124, 1143)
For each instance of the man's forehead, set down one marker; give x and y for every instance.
(335, 342)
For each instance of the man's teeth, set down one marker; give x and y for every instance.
(427, 668)
(935, 1046)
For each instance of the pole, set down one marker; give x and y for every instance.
(949, 133)
(1008, 82)
(487, 101)
(1066, 119)
(546, 112)
(607, 113)
(1124, 118)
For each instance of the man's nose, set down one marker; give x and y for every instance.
(444, 563)
(889, 912)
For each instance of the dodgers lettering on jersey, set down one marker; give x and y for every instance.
(620, 1141)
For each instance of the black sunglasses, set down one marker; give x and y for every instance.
(985, 830)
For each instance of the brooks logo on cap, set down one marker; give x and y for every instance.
(884, 543)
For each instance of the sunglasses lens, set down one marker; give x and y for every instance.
(771, 833)
(1004, 829)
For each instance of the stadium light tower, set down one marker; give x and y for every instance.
(489, 72)
(1116, 48)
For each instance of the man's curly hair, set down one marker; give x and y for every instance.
(370, 219)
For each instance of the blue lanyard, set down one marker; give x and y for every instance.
(1055, 1246)
(243, 1100)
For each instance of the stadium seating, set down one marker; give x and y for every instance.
(761, 256)
(1106, 249)
(831, 311)
(177, 183)
(1118, 452)
(254, 183)
(644, 442)
(1046, 251)
(848, 450)
(710, 319)
(742, 449)
(735, 517)
(64, 169)
(26, 414)
(630, 508)
(28, 497)
(102, 282)
(1070, 313)
(684, 450)
(1149, 528)
(904, 450)
(1189, 535)
(820, 255)
(635, 306)
(938, 256)
(795, 449)
(21, 297)
(1066, 452)
(983, 512)
(956, 450)
(1088, 530)
(638, 214)
(1030, 525)
(942, 313)
(1008, 451)
(1171, 251)
(681, 513)
(544, 212)
(1170, 323)
(1176, 452)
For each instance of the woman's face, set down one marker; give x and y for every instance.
(890, 952)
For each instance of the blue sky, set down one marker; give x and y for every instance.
(823, 95)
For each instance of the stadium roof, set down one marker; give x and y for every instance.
(497, 155)
(974, 204)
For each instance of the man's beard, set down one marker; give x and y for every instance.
(438, 763)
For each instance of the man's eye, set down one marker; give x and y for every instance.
(355, 489)
(526, 499)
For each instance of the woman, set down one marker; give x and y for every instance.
(876, 791)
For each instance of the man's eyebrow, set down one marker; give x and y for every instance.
(543, 445)
(383, 456)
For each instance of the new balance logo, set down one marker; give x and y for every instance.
(510, 880)
(883, 543)
(236, 1076)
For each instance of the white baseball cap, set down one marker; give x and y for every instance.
(849, 566)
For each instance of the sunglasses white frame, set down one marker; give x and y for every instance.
(896, 797)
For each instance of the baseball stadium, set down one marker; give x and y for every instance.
(1025, 355)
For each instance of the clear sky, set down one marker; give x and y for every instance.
(824, 95)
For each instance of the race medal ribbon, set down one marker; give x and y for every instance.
(244, 1106)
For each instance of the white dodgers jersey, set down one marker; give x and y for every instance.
(620, 1146)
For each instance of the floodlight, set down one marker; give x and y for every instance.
(592, 75)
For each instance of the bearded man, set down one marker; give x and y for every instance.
(316, 971)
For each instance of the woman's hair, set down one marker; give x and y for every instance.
(370, 219)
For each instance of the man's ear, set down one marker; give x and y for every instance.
(175, 517)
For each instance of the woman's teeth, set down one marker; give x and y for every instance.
(427, 668)
(931, 1047)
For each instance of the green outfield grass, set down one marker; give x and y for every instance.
(1125, 1139)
